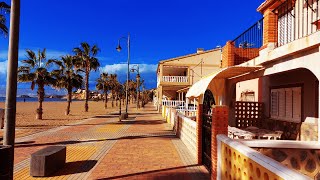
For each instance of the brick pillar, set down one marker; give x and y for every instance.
(228, 55)
(199, 133)
(219, 126)
(270, 27)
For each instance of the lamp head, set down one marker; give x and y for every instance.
(118, 48)
(132, 70)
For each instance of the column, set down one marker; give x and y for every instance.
(199, 129)
(219, 126)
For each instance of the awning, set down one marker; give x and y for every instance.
(216, 80)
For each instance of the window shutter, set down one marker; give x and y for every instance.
(282, 103)
(288, 104)
(274, 104)
(296, 115)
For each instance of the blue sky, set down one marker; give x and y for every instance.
(159, 29)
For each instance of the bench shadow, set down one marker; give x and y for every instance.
(75, 167)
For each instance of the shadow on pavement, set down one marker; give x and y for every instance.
(21, 145)
(76, 167)
(178, 173)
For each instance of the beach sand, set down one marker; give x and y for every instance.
(54, 115)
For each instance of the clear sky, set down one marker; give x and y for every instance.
(159, 29)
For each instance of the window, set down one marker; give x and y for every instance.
(247, 96)
(286, 104)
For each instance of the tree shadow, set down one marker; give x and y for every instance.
(30, 144)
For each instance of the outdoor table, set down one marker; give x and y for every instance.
(253, 133)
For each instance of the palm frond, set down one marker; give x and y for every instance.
(95, 49)
(4, 29)
(54, 61)
(5, 6)
(86, 48)
(94, 63)
(26, 77)
(31, 55)
(43, 54)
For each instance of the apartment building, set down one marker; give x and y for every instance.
(176, 75)
(266, 95)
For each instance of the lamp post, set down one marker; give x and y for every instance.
(128, 75)
(143, 94)
(138, 82)
(11, 89)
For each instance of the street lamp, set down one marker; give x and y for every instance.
(128, 75)
(138, 82)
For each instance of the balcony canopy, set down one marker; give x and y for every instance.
(216, 80)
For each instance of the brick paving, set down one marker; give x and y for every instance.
(142, 147)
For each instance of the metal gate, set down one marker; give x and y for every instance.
(208, 101)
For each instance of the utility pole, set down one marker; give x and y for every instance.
(11, 89)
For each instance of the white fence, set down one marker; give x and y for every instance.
(172, 103)
(182, 79)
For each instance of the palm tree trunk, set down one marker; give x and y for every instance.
(106, 100)
(116, 102)
(69, 99)
(86, 106)
(40, 100)
(112, 104)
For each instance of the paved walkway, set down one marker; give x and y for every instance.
(142, 147)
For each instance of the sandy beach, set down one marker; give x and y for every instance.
(54, 115)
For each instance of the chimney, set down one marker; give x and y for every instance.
(200, 50)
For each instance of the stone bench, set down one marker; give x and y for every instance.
(47, 161)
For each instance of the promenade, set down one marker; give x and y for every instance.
(141, 147)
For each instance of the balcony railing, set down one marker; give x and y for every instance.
(248, 43)
(183, 79)
(190, 111)
(296, 19)
(172, 103)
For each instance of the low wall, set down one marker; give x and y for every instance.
(301, 156)
(186, 131)
(238, 161)
(183, 126)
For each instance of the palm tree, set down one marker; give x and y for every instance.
(35, 70)
(103, 83)
(86, 60)
(113, 82)
(4, 8)
(67, 77)
(132, 89)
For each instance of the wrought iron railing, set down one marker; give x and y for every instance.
(248, 43)
(296, 19)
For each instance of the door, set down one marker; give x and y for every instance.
(208, 101)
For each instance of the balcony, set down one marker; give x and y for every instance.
(178, 79)
(296, 19)
(247, 44)
(172, 103)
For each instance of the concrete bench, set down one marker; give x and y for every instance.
(47, 161)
